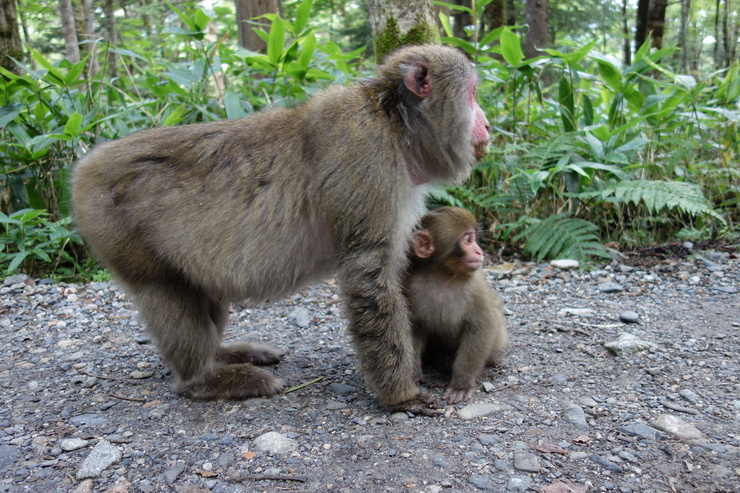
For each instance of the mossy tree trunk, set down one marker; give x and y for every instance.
(396, 23)
(10, 41)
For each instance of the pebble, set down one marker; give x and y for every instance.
(629, 345)
(677, 427)
(102, 456)
(565, 264)
(575, 415)
(274, 443)
(629, 317)
(300, 317)
(524, 461)
(610, 287)
(70, 444)
(477, 410)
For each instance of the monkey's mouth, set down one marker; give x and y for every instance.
(481, 150)
(473, 264)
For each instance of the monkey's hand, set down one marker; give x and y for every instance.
(423, 403)
(454, 395)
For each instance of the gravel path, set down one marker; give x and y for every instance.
(86, 404)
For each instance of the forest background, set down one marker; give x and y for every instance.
(613, 122)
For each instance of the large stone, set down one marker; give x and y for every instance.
(274, 443)
(629, 345)
(477, 410)
(677, 427)
(100, 458)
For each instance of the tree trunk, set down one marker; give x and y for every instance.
(641, 23)
(725, 58)
(93, 66)
(626, 51)
(683, 36)
(110, 27)
(71, 45)
(396, 23)
(249, 9)
(460, 20)
(511, 12)
(656, 22)
(10, 40)
(494, 16)
(537, 22)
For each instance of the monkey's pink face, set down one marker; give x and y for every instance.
(481, 129)
(472, 255)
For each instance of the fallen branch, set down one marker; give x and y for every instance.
(306, 384)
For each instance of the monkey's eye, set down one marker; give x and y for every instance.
(468, 238)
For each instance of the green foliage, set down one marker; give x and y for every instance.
(619, 146)
(657, 195)
(560, 237)
(52, 113)
(31, 241)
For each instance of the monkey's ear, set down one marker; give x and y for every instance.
(423, 244)
(418, 80)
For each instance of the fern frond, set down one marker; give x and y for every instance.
(545, 155)
(658, 195)
(561, 236)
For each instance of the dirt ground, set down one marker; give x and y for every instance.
(87, 404)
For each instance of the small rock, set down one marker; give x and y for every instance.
(488, 387)
(565, 264)
(641, 430)
(629, 317)
(479, 481)
(274, 443)
(629, 345)
(606, 463)
(677, 427)
(171, 474)
(575, 415)
(100, 458)
(610, 287)
(524, 461)
(70, 444)
(300, 317)
(477, 410)
(519, 483)
(342, 389)
(16, 279)
(689, 395)
(140, 375)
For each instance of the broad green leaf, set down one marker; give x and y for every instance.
(489, 37)
(455, 7)
(183, 17)
(597, 148)
(9, 112)
(511, 48)
(461, 43)
(72, 127)
(175, 116)
(445, 20)
(307, 50)
(201, 19)
(276, 41)
(232, 105)
(302, 14)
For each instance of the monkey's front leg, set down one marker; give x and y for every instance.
(381, 333)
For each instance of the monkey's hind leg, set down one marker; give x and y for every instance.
(187, 326)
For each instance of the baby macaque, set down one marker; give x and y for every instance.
(452, 306)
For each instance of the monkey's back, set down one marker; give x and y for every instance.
(210, 203)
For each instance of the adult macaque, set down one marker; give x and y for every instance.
(192, 218)
(452, 306)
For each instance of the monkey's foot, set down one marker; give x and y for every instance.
(248, 352)
(232, 382)
(423, 403)
(455, 395)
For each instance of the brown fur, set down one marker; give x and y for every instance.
(192, 218)
(453, 307)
